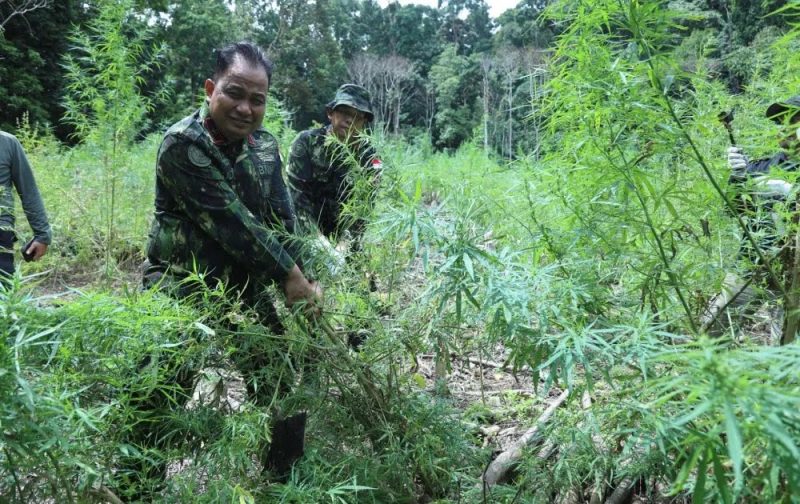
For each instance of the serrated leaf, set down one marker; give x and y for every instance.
(683, 473)
(699, 494)
(722, 481)
(472, 299)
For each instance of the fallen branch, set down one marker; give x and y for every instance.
(104, 493)
(500, 466)
(623, 492)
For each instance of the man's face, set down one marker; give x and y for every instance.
(347, 122)
(238, 100)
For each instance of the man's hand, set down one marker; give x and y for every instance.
(737, 162)
(300, 290)
(35, 250)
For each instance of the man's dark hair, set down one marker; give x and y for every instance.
(248, 51)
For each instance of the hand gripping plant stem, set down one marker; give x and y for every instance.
(655, 81)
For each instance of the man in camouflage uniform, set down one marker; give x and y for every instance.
(326, 165)
(222, 209)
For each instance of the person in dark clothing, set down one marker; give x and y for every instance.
(760, 194)
(223, 210)
(326, 163)
(16, 174)
(321, 171)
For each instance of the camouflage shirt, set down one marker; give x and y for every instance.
(321, 179)
(220, 208)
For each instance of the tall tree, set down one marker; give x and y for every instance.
(308, 62)
(523, 26)
(466, 24)
(30, 63)
(410, 31)
(390, 82)
(9, 9)
(194, 30)
(454, 78)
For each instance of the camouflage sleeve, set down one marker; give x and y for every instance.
(299, 174)
(281, 203)
(201, 190)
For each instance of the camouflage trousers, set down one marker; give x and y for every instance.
(7, 240)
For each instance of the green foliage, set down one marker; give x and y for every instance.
(584, 268)
(455, 98)
(68, 374)
(104, 104)
(309, 61)
(31, 77)
(523, 26)
(195, 30)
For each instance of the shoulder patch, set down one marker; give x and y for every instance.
(198, 157)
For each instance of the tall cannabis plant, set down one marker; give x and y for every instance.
(104, 100)
(636, 180)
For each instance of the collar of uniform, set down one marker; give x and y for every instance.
(214, 133)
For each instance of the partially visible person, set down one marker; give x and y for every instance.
(760, 193)
(326, 163)
(16, 173)
(222, 209)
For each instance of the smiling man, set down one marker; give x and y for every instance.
(222, 209)
(221, 206)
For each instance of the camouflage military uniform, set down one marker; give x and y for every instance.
(223, 209)
(321, 177)
(220, 209)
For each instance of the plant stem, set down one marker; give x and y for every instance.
(656, 82)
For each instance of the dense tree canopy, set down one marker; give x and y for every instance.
(429, 68)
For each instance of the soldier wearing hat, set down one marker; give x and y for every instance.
(761, 193)
(333, 166)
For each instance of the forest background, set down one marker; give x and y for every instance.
(451, 73)
(553, 220)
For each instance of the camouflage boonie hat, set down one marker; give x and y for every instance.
(778, 111)
(354, 96)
